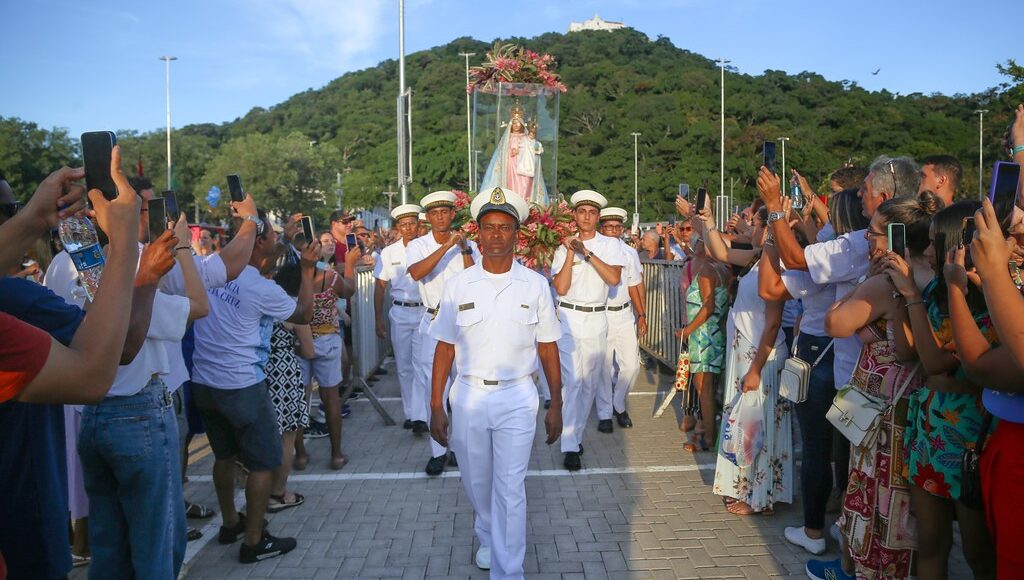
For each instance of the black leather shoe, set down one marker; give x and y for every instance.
(624, 420)
(451, 459)
(581, 449)
(407, 424)
(547, 403)
(572, 461)
(605, 426)
(420, 427)
(436, 465)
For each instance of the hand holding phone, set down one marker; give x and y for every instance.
(307, 228)
(351, 241)
(171, 198)
(769, 155)
(97, 148)
(235, 187)
(684, 190)
(702, 198)
(157, 217)
(898, 239)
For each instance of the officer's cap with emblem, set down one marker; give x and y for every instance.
(498, 199)
(613, 214)
(588, 197)
(438, 199)
(405, 210)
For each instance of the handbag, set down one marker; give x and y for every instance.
(682, 381)
(858, 415)
(795, 376)
(970, 469)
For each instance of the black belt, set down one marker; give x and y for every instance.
(618, 308)
(431, 311)
(409, 304)
(582, 308)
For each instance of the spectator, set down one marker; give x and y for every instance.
(650, 246)
(941, 175)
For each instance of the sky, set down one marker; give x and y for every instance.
(91, 65)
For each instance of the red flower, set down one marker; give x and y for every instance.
(931, 481)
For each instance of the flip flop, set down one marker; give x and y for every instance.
(198, 511)
(277, 502)
(79, 561)
(193, 534)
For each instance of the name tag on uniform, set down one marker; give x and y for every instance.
(396, 263)
(467, 306)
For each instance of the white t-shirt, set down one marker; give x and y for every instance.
(391, 268)
(747, 315)
(632, 275)
(432, 285)
(166, 326)
(587, 288)
(816, 298)
(227, 339)
(476, 308)
(843, 262)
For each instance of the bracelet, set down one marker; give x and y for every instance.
(1017, 149)
(179, 248)
(909, 304)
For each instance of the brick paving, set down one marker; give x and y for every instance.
(643, 508)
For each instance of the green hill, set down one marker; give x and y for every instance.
(619, 82)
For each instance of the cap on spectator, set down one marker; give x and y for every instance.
(588, 197)
(496, 199)
(341, 215)
(406, 209)
(438, 199)
(613, 213)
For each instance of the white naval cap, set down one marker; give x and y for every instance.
(438, 199)
(498, 199)
(588, 197)
(613, 213)
(406, 209)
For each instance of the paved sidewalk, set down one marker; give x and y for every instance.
(642, 508)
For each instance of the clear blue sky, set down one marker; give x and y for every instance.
(90, 64)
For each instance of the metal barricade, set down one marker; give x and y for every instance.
(368, 350)
(666, 310)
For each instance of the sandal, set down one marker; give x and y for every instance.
(740, 508)
(695, 441)
(198, 511)
(300, 462)
(278, 503)
(193, 534)
(338, 462)
(79, 561)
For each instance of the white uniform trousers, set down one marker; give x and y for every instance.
(623, 350)
(492, 435)
(405, 342)
(424, 370)
(581, 354)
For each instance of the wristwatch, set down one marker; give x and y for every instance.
(467, 252)
(774, 216)
(588, 256)
(255, 220)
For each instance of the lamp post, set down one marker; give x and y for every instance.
(981, 149)
(636, 181)
(167, 61)
(404, 161)
(469, 124)
(390, 195)
(721, 63)
(782, 176)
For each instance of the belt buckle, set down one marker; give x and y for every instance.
(491, 383)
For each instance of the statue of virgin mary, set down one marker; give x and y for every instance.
(515, 164)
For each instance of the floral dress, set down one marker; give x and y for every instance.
(707, 342)
(940, 425)
(880, 531)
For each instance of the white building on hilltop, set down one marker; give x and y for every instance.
(595, 23)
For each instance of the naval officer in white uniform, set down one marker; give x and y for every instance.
(627, 320)
(587, 267)
(495, 320)
(406, 310)
(431, 260)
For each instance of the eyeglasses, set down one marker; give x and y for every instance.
(868, 234)
(492, 228)
(9, 209)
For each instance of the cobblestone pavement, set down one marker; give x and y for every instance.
(641, 508)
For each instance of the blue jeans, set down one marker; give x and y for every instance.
(132, 468)
(815, 430)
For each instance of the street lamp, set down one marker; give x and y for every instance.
(636, 187)
(167, 61)
(981, 148)
(390, 195)
(469, 125)
(722, 62)
(782, 175)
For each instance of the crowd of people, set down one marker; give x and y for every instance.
(874, 329)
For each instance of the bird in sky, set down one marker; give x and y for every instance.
(876, 71)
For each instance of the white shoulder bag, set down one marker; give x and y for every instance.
(795, 376)
(858, 415)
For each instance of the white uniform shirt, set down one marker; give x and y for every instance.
(474, 313)
(392, 269)
(816, 298)
(843, 262)
(228, 339)
(587, 287)
(431, 285)
(632, 275)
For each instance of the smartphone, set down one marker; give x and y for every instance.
(702, 198)
(97, 147)
(898, 239)
(157, 217)
(235, 187)
(969, 229)
(940, 253)
(1003, 191)
(684, 190)
(769, 155)
(307, 228)
(351, 241)
(172, 204)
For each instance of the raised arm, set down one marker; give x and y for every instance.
(865, 304)
(304, 308)
(424, 267)
(195, 291)
(792, 254)
(236, 254)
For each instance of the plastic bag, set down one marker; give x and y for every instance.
(743, 429)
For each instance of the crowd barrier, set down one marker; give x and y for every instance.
(368, 350)
(666, 310)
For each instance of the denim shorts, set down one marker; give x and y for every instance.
(241, 423)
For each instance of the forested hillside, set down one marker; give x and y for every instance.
(619, 82)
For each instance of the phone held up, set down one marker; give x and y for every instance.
(898, 239)
(172, 204)
(1003, 191)
(157, 217)
(235, 187)
(769, 155)
(307, 228)
(702, 198)
(97, 147)
(684, 190)
(351, 241)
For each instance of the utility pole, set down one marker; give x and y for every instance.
(722, 62)
(782, 176)
(404, 158)
(981, 150)
(338, 190)
(636, 180)
(167, 61)
(469, 124)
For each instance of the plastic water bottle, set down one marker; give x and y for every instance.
(797, 195)
(80, 241)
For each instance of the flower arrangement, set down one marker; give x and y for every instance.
(512, 63)
(540, 235)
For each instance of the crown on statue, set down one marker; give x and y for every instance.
(517, 112)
